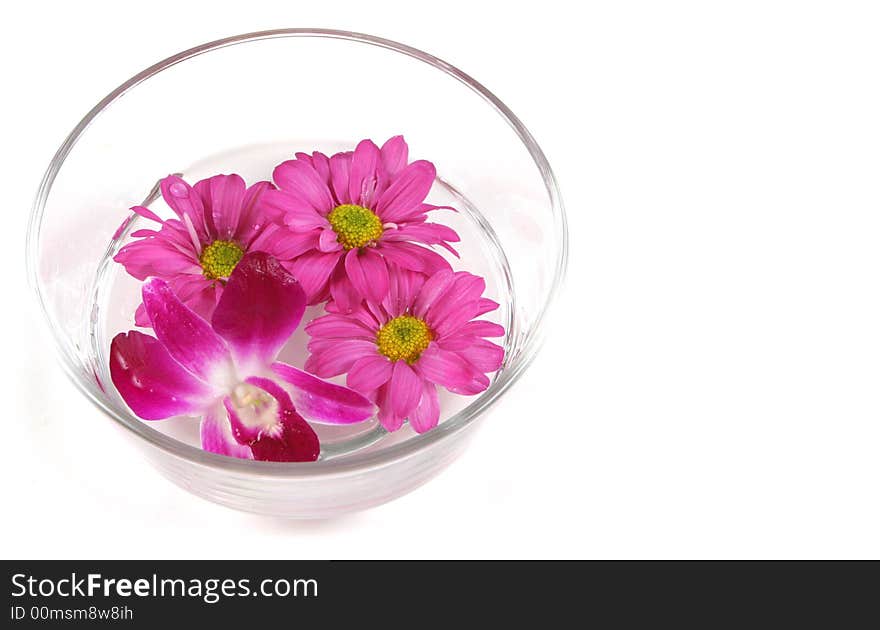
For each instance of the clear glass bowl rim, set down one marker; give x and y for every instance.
(348, 464)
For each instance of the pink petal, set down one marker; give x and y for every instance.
(448, 369)
(458, 305)
(386, 415)
(433, 290)
(255, 216)
(368, 273)
(364, 170)
(339, 327)
(289, 438)
(407, 192)
(189, 339)
(313, 269)
(345, 296)
(482, 328)
(395, 154)
(216, 435)
(261, 307)
(222, 196)
(340, 170)
(403, 287)
(412, 256)
(338, 356)
(147, 213)
(185, 202)
(151, 382)
(406, 389)
(485, 305)
(283, 243)
(302, 180)
(427, 414)
(369, 373)
(426, 233)
(484, 355)
(319, 400)
(329, 241)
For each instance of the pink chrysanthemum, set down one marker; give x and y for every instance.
(360, 211)
(218, 221)
(422, 334)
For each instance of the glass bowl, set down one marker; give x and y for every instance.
(243, 104)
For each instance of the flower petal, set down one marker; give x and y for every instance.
(345, 297)
(450, 370)
(434, 288)
(152, 383)
(388, 419)
(337, 356)
(216, 435)
(340, 170)
(299, 178)
(412, 256)
(222, 196)
(395, 154)
(427, 414)
(336, 326)
(274, 430)
(484, 355)
(364, 173)
(406, 389)
(189, 339)
(313, 269)
(369, 373)
(261, 307)
(329, 241)
(319, 400)
(406, 192)
(186, 203)
(368, 273)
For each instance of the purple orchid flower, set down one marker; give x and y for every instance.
(225, 371)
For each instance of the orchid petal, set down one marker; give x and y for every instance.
(189, 339)
(261, 307)
(216, 435)
(151, 382)
(322, 401)
(270, 425)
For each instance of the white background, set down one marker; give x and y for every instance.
(710, 383)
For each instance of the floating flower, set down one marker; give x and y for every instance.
(226, 371)
(422, 334)
(360, 211)
(218, 221)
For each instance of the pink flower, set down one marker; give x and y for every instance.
(218, 221)
(422, 334)
(226, 371)
(359, 211)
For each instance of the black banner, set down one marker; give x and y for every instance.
(249, 594)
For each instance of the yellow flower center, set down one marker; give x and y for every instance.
(404, 337)
(355, 226)
(219, 259)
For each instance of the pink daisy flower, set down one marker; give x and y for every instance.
(225, 371)
(422, 334)
(218, 221)
(359, 211)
